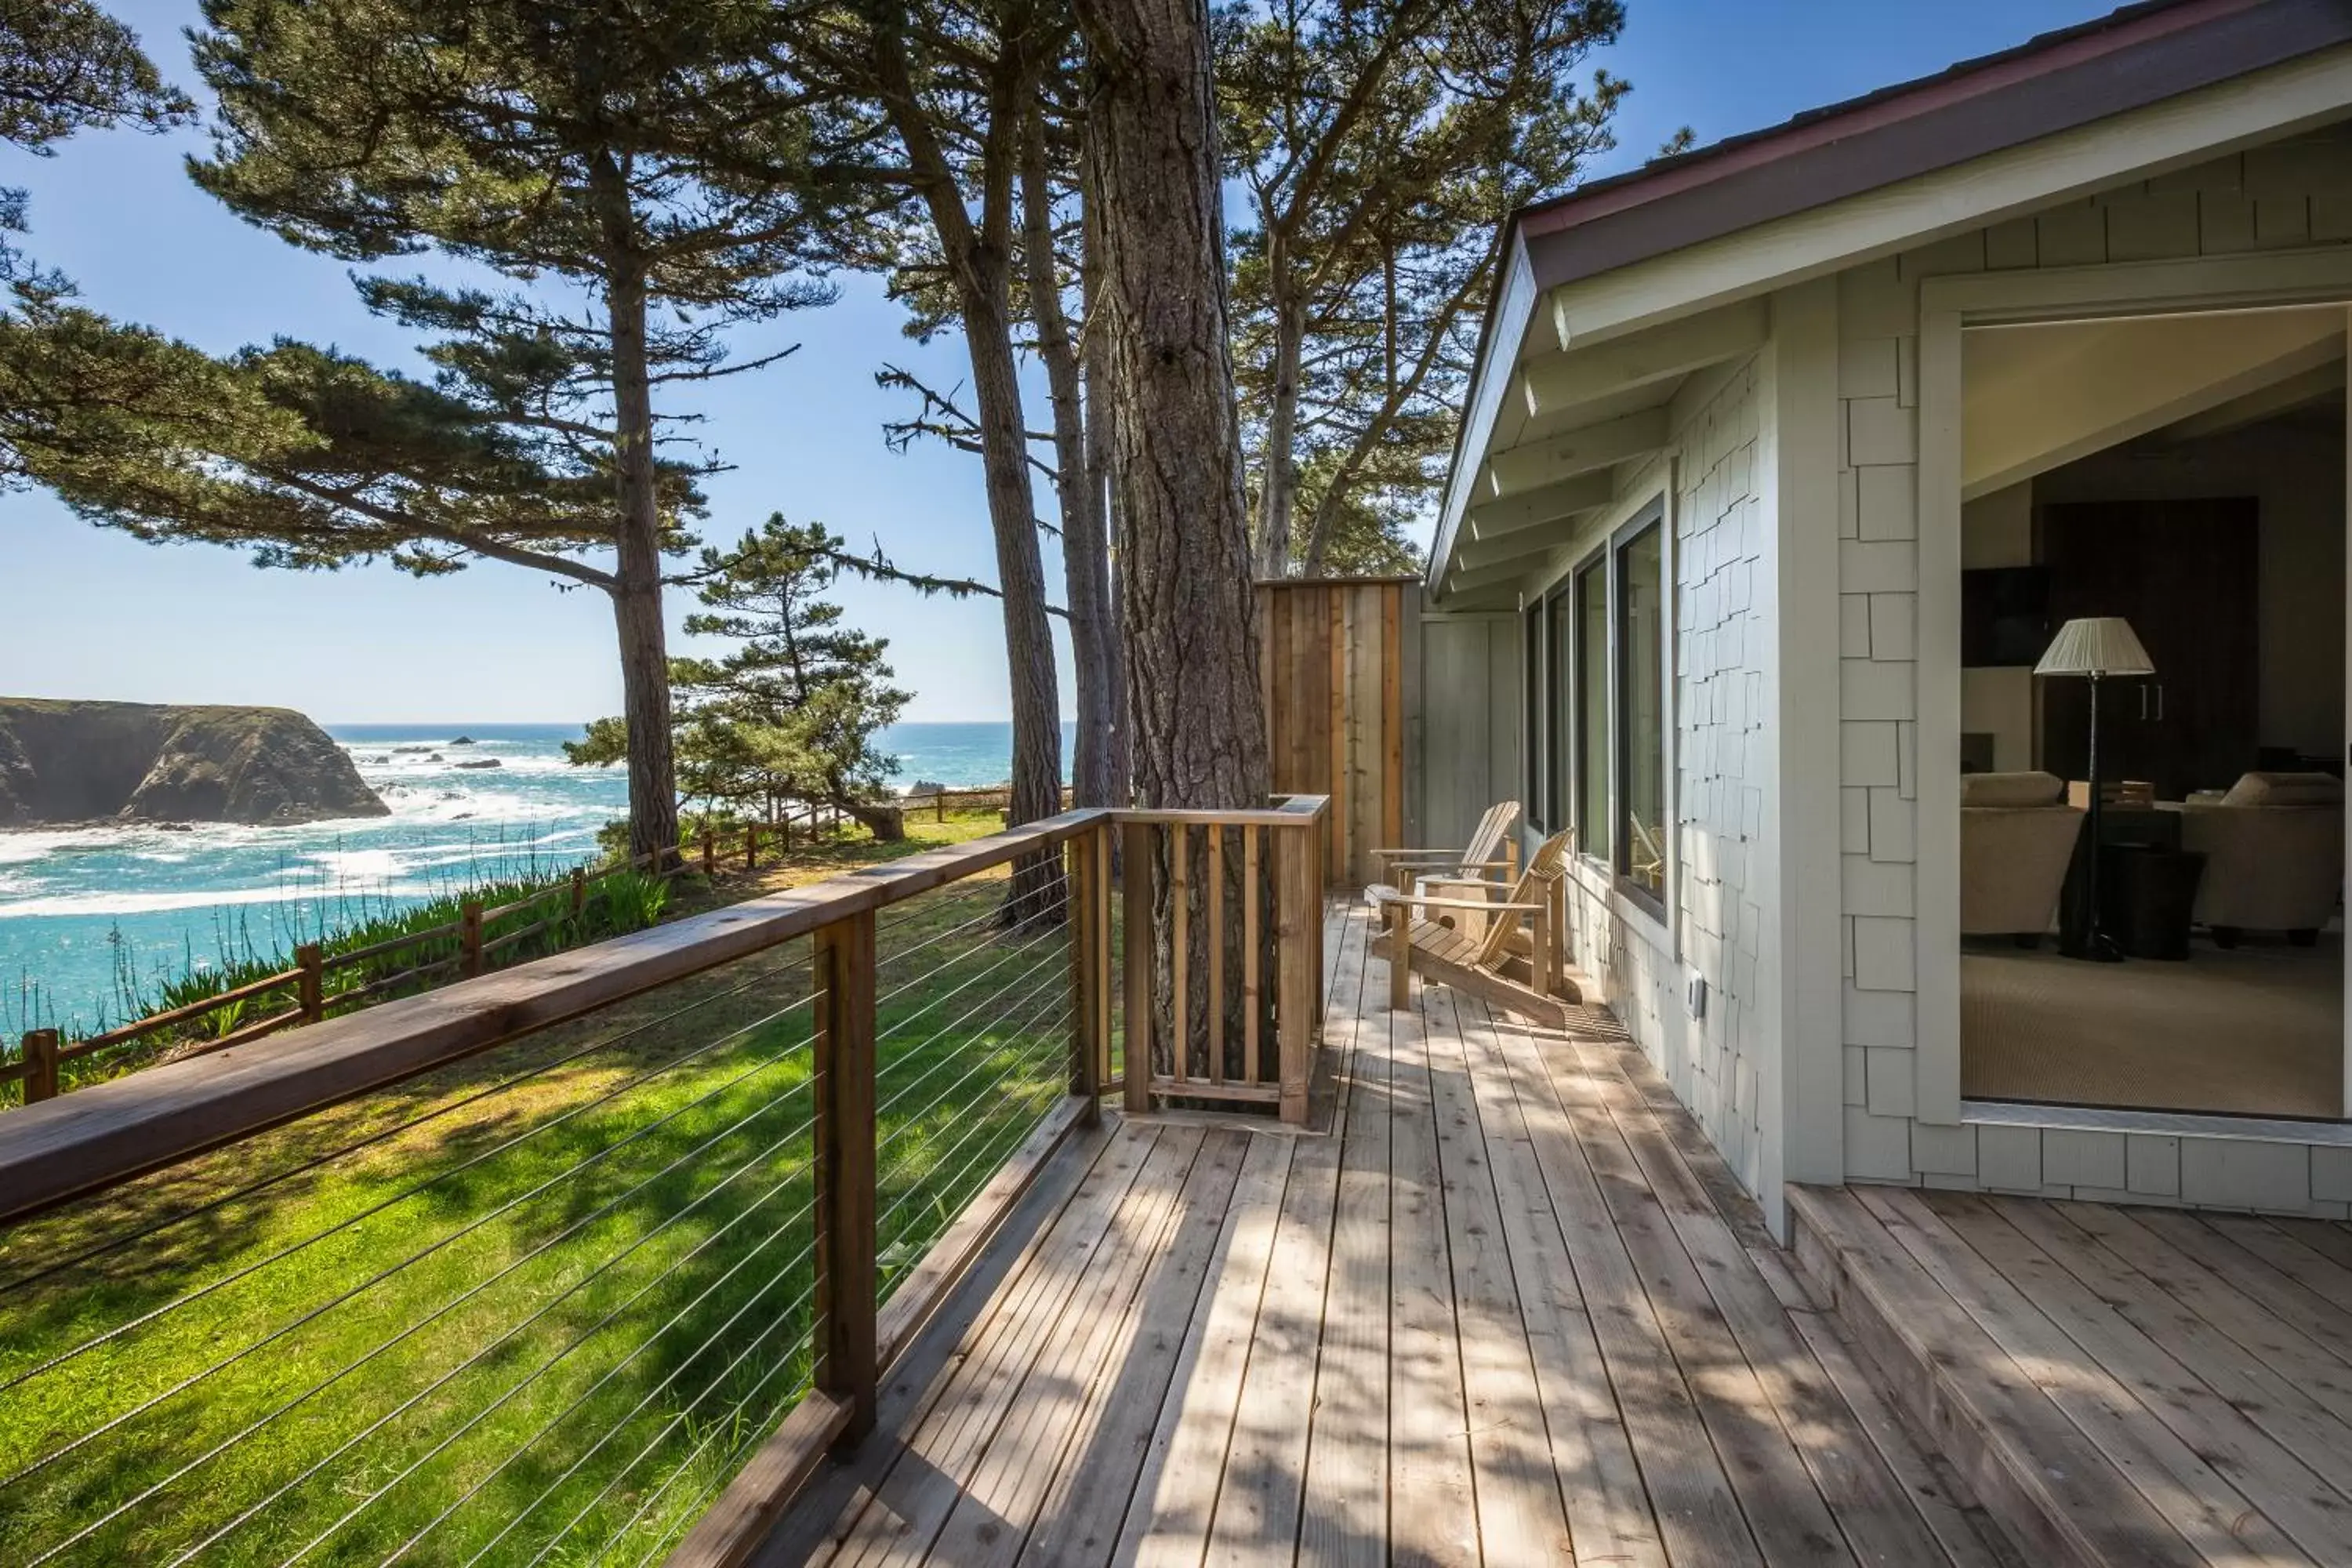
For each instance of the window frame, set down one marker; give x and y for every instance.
(1595, 561)
(1534, 655)
(1650, 520)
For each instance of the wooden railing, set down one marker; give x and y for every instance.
(1242, 893)
(879, 1269)
(475, 939)
(938, 803)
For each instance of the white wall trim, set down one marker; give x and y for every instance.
(1490, 378)
(1802, 1107)
(1947, 304)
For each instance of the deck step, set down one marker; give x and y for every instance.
(2048, 1484)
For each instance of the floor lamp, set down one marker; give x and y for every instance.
(2095, 648)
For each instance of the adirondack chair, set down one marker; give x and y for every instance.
(1534, 984)
(1492, 849)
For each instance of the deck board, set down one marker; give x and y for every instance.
(1507, 1311)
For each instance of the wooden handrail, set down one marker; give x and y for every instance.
(154, 1021)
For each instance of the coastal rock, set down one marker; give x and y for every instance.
(134, 761)
(463, 741)
(484, 762)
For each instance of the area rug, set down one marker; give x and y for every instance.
(2258, 1031)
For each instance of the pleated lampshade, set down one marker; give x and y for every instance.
(2095, 645)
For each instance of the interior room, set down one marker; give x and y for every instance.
(2154, 521)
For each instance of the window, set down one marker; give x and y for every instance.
(1600, 709)
(1533, 744)
(1592, 816)
(1641, 712)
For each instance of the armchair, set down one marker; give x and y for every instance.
(2017, 836)
(2274, 851)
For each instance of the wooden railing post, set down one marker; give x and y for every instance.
(579, 891)
(469, 936)
(310, 990)
(709, 854)
(40, 1048)
(846, 1355)
(1087, 974)
(1135, 896)
(1296, 918)
(751, 846)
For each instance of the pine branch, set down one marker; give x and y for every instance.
(879, 568)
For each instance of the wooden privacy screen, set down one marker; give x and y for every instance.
(1334, 663)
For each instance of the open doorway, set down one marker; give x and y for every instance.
(2174, 487)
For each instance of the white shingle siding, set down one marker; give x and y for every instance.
(2293, 194)
(1716, 920)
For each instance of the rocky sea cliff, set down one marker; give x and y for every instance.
(66, 763)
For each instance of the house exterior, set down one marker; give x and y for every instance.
(1697, 576)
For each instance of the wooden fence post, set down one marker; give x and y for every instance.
(1087, 975)
(311, 988)
(939, 806)
(709, 855)
(751, 846)
(579, 891)
(40, 1048)
(1137, 897)
(846, 1354)
(469, 936)
(1294, 979)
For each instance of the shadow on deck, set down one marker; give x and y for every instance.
(1514, 1310)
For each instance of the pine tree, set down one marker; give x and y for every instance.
(1380, 143)
(66, 66)
(640, 171)
(791, 714)
(946, 86)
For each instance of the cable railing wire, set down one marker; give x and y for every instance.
(887, 997)
(784, 1272)
(604, 1042)
(797, 1171)
(914, 1118)
(899, 1025)
(249, 1269)
(223, 1446)
(992, 913)
(549, 1185)
(722, 1472)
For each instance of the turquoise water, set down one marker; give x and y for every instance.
(90, 916)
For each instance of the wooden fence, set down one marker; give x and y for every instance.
(477, 940)
(1336, 674)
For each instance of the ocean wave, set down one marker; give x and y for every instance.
(101, 903)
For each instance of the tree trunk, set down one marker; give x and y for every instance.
(1189, 615)
(637, 569)
(1098, 466)
(1020, 566)
(1086, 562)
(1280, 501)
(1189, 621)
(887, 822)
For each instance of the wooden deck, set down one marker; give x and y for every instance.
(1512, 1311)
(2126, 1385)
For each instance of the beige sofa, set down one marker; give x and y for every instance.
(2016, 835)
(2274, 851)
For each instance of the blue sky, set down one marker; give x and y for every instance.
(90, 613)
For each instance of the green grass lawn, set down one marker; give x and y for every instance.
(535, 1308)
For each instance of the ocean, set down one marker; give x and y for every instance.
(90, 916)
